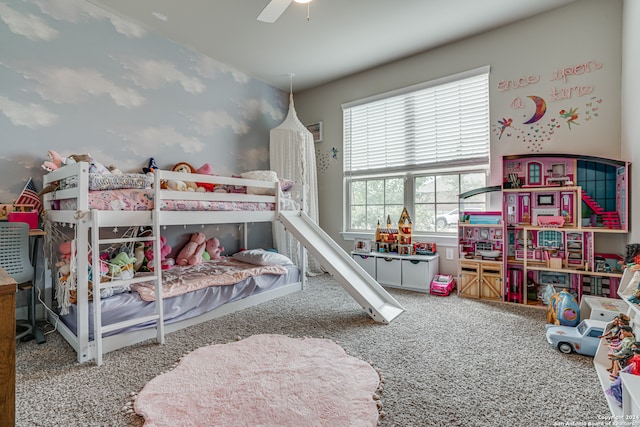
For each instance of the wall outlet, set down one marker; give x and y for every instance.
(449, 254)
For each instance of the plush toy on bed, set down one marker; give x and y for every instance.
(56, 161)
(165, 250)
(206, 169)
(192, 252)
(121, 266)
(213, 250)
(181, 185)
(151, 166)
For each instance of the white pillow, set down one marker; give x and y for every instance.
(270, 176)
(262, 257)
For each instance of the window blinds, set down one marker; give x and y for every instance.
(438, 124)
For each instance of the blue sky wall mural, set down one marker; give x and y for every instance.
(77, 79)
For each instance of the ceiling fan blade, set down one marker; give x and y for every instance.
(273, 10)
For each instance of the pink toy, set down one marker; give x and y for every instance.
(56, 160)
(442, 285)
(192, 252)
(214, 249)
(64, 250)
(165, 250)
(205, 169)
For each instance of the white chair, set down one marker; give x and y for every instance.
(14, 259)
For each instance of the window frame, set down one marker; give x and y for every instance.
(409, 195)
(409, 172)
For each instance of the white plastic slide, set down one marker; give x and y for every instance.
(372, 297)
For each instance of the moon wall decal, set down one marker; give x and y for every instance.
(541, 108)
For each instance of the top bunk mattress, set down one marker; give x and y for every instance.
(133, 199)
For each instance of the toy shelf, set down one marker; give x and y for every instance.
(601, 362)
(574, 271)
(629, 412)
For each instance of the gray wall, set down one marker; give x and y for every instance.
(536, 49)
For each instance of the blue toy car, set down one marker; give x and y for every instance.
(583, 339)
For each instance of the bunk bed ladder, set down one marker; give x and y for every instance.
(98, 328)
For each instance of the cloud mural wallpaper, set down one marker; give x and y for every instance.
(77, 79)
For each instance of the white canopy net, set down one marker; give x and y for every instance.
(292, 155)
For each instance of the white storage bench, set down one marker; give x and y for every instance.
(414, 272)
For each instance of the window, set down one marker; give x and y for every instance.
(535, 174)
(419, 148)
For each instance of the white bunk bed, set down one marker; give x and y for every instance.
(89, 325)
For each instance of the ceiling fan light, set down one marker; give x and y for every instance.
(302, 1)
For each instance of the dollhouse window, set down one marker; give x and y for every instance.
(550, 239)
(535, 174)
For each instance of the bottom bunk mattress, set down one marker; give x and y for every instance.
(128, 305)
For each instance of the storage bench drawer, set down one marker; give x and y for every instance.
(367, 262)
(416, 274)
(389, 271)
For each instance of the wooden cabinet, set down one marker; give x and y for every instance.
(469, 279)
(480, 279)
(413, 272)
(7, 349)
(491, 281)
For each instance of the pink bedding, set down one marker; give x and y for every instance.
(180, 280)
(142, 200)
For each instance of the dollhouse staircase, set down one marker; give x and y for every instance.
(609, 219)
(371, 296)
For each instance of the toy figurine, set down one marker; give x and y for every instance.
(613, 334)
(622, 351)
(632, 367)
(635, 298)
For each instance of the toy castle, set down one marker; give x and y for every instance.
(395, 239)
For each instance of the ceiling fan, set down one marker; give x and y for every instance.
(275, 8)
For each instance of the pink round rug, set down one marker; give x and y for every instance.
(263, 380)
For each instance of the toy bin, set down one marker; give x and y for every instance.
(367, 262)
(30, 218)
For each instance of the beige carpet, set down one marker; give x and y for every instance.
(264, 380)
(446, 361)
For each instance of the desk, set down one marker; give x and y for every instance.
(35, 234)
(7, 349)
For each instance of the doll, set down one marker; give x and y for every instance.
(622, 351)
(627, 359)
(612, 335)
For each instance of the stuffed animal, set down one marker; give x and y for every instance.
(64, 251)
(165, 250)
(121, 266)
(151, 166)
(56, 161)
(213, 250)
(205, 186)
(191, 253)
(138, 252)
(180, 185)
